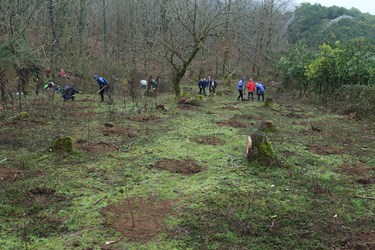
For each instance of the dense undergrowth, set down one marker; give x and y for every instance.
(188, 164)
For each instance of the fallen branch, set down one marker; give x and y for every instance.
(124, 150)
(4, 160)
(113, 241)
(96, 202)
(364, 197)
(129, 146)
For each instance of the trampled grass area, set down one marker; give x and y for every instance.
(144, 178)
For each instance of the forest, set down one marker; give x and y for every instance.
(107, 141)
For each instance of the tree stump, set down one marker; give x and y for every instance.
(62, 145)
(268, 127)
(161, 107)
(259, 150)
(150, 93)
(21, 116)
(269, 102)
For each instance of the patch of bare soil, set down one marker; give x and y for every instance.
(229, 107)
(326, 150)
(186, 167)
(99, 147)
(294, 115)
(139, 220)
(119, 131)
(344, 138)
(360, 173)
(210, 140)
(363, 241)
(25, 123)
(86, 100)
(184, 103)
(9, 175)
(232, 123)
(141, 118)
(187, 107)
(41, 196)
(78, 114)
(247, 117)
(36, 200)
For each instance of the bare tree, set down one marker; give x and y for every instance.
(190, 24)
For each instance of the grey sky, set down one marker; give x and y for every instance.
(362, 5)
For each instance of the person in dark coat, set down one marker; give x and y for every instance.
(200, 84)
(212, 85)
(69, 92)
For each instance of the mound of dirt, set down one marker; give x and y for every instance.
(247, 117)
(139, 220)
(25, 123)
(141, 118)
(77, 114)
(98, 147)
(85, 100)
(186, 167)
(9, 175)
(359, 173)
(365, 240)
(325, 150)
(232, 123)
(120, 131)
(210, 140)
(41, 197)
(294, 115)
(230, 108)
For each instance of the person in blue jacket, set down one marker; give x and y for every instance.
(260, 89)
(103, 87)
(240, 90)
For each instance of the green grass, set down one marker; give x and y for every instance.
(306, 204)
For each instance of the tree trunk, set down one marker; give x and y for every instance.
(3, 82)
(54, 42)
(105, 30)
(81, 25)
(226, 42)
(179, 74)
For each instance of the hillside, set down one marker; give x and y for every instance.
(315, 24)
(140, 177)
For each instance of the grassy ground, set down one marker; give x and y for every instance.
(144, 178)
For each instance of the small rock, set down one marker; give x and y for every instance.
(76, 243)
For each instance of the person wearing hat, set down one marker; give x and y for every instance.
(240, 90)
(103, 87)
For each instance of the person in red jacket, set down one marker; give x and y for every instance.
(250, 89)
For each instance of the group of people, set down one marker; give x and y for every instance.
(252, 88)
(204, 83)
(153, 84)
(69, 90)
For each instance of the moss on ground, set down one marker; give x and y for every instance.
(229, 205)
